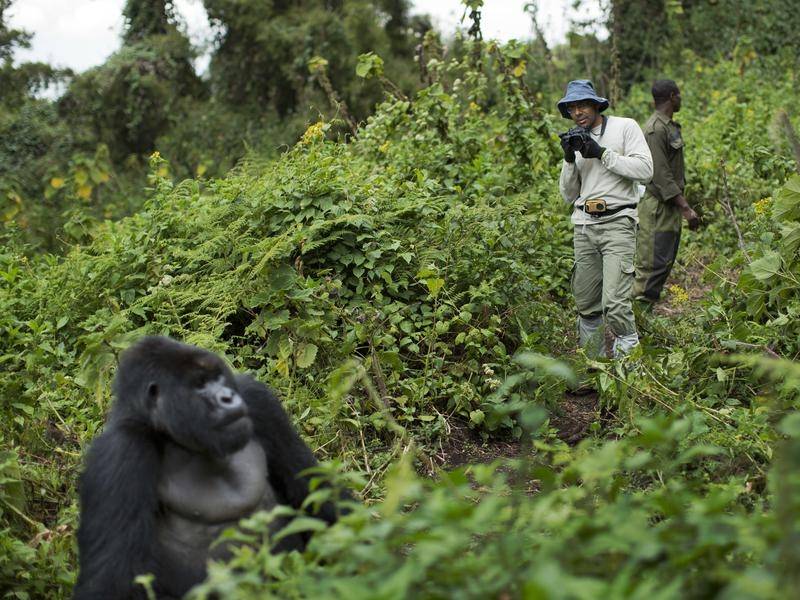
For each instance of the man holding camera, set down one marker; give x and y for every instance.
(605, 160)
(663, 206)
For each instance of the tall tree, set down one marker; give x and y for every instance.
(639, 30)
(136, 95)
(17, 82)
(713, 28)
(263, 49)
(397, 25)
(144, 18)
(10, 38)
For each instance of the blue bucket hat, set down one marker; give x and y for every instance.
(580, 89)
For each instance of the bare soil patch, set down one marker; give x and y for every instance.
(464, 446)
(574, 416)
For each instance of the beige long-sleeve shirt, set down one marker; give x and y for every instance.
(626, 164)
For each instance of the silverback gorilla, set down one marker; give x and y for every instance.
(189, 448)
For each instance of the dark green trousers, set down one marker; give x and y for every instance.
(656, 246)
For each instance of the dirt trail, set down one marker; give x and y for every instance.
(463, 446)
(576, 413)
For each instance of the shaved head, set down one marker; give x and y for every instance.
(663, 90)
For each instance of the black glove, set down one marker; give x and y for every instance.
(591, 149)
(569, 153)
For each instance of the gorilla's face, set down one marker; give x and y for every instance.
(202, 411)
(227, 413)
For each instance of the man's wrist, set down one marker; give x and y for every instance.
(679, 201)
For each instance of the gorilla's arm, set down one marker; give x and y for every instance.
(118, 510)
(287, 453)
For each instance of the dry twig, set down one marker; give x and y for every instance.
(725, 200)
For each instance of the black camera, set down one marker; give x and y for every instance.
(575, 138)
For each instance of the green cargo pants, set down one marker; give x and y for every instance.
(656, 246)
(601, 282)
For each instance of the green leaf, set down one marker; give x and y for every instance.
(81, 177)
(299, 525)
(282, 367)
(369, 65)
(766, 267)
(392, 359)
(285, 346)
(305, 356)
(426, 272)
(477, 416)
(12, 489)
(787, 204)
(790, 239)
(701, 450)
(638, 460)
(546, 365)
(604, 381)
(434, 285)
(790, 425)
(362, 68)
(317, 63)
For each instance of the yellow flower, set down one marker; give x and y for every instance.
(84, 192)
(679, 295)
(384, 147)
(762, 205)
(313, 133)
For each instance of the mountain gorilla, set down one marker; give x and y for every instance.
(189, 448)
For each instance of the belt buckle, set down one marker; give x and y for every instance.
(595, 207)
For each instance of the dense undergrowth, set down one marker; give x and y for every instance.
(418, 276)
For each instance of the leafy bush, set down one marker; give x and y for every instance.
(631, 518)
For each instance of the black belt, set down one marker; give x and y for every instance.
(608, 211)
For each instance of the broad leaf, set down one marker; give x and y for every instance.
(766, 267)
(787, 204)
(306, 354)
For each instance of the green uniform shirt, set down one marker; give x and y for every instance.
(664, 138)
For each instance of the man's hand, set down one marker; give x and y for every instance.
(691, 217)
(569, 153)
(591, 149)
(688, 213)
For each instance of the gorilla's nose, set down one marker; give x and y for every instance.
(230, 400)
(230, 408)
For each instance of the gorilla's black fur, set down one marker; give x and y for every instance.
(188, 449)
